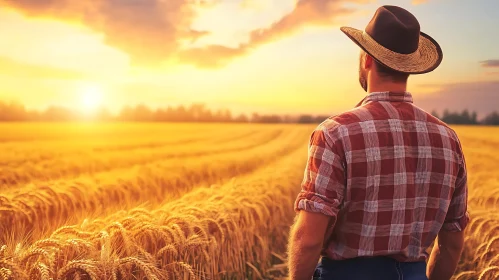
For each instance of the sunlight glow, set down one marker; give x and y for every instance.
(91, 97)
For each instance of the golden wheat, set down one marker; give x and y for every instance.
(70, 200)
(121, 201)
(479, 258)
(98, 160)
(202, 235)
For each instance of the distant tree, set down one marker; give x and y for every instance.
(459, 118)
(198, 112)
(206, 116)
(255, 117)
(491, 119)
(287, 119)
(12, 112)
(474, 118)
(143, 113)
(312, 119)
(445, 114)
(223, 116)
(242, 118)
(270, 119)
(33, 116)
(160, 115)
(306, 119)
(57, 113)
(320, 119)
(126, 114)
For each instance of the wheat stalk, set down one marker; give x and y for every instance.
(79, 266)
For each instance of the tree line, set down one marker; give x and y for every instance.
(468, 118)
(16, 112)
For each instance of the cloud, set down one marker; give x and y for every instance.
(152, 31)
(481, 97)
(148, 30)
(255, 4)
(305, 13)
(211, 56)
(491, 63)
(418, 2)
(9, 67)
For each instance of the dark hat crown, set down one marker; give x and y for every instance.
(395, 29)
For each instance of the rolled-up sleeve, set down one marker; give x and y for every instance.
(457, 217)
(323, 186)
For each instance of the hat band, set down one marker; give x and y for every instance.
(386, 51)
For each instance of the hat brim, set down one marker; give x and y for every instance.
(425, 59)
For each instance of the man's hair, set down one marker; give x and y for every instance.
(391, 74)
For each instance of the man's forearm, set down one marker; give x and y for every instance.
(443, 262)
(305, 244)
(302, 258)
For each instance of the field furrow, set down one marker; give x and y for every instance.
(235, 231)
(45, 207)
(65, 166)
(103, 170)
(83, 134)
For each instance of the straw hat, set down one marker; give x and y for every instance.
(393, 38)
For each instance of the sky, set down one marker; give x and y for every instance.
(268, 56)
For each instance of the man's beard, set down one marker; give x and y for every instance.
(363, 79)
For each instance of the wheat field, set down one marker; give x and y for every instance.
(181, 201)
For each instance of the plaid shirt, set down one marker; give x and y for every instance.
(390, 174)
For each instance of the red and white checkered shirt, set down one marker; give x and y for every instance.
(391, 174)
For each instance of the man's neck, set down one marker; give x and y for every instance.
(378, 84)
(391, 87)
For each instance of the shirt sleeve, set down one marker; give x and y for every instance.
(323, 186)
(457, 217)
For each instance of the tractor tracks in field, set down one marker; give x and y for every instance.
(48, 207)
(227, 230)
(48, 156)
(68, 169)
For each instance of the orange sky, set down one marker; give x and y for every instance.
(280, 56)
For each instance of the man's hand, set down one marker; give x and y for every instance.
(445, 255)
(305, 244)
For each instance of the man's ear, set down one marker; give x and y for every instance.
(368, 62)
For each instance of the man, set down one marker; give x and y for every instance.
(385, 179)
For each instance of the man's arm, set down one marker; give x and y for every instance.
(322, 192)
(448, 247)
(445, 255)
(305, 244)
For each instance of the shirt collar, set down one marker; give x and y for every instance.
(386, 96)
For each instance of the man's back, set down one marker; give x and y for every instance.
(392, 174)
(386, 178)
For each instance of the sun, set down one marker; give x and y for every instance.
(91, 97)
